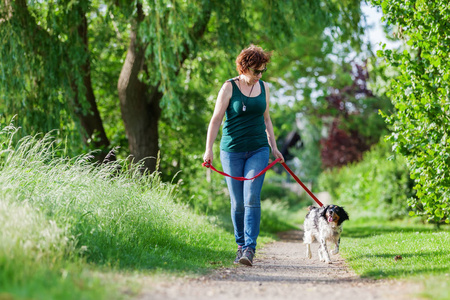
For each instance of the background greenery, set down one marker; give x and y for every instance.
(420, 93)
(61, 71)
(378, 186)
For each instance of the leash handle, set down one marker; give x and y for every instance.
(208, 165)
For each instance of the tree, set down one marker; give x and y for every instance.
(48, 68)
(333, 96)
(420, 93)
(355, 122)
(50, 54)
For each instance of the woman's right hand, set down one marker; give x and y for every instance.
(208, 156)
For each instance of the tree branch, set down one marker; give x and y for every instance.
(196, 32)
(41, 42)
(32, 30)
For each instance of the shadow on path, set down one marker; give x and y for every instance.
(281, 271)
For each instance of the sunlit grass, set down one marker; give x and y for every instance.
(400, 250)
(39, 259)
(68, 224)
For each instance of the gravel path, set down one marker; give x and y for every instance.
(281, 271)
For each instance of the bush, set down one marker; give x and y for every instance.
(377, 186)
(421, 97)
(276, 190)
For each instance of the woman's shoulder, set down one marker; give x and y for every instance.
(234, 79)
(227, 87)
(228, 84)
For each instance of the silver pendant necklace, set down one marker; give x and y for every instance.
(244, 107)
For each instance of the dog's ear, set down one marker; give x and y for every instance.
(343, 216)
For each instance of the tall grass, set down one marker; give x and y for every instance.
(69, 219)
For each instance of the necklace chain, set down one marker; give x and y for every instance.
(244, 107)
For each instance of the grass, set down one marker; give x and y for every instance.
(275, 218)
(401, 250)
(75, 230)
(69, 226)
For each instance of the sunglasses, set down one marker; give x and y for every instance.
(257, 72)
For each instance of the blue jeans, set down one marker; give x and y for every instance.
(245, 196)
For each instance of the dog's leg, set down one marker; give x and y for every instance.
(323, 248)
(307, 240)
(308, 251)
(336, 249)
(319, 252)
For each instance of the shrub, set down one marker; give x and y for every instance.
(420, 94)
(377, 186)
(288, 194)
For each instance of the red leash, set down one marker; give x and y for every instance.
(208, 165)
(301, 183)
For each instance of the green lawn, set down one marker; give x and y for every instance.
(402, 250)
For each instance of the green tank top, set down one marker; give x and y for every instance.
(244, 130)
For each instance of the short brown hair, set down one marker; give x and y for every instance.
(252, 56)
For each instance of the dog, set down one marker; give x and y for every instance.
(324, 224)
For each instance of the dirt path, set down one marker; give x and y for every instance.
(281, 271)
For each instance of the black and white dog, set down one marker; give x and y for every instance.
(324, 224)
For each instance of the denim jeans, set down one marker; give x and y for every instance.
(245, 195)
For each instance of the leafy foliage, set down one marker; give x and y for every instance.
(377, 186)
(355, 122)
(39, 67)
(44, 56)
(420, 94)
(327, 89)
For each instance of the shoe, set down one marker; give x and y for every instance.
(239, 253)
(247, 257)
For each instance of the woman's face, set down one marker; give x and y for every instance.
(254, 74)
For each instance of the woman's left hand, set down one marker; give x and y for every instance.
(278, 154)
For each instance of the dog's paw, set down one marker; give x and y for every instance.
(329, 262)
(335, 251)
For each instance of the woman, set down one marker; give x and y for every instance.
(244, 148)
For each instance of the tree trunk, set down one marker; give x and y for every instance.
(139, 105)
(91, 120)
(139, 102)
